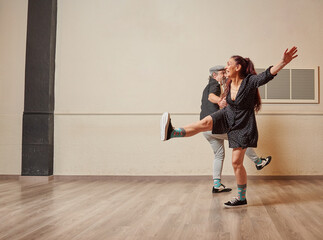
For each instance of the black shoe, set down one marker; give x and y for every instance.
(235, 202)
(166, 127)
(222, 188)
(264, 162)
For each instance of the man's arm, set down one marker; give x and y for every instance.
(214, 98)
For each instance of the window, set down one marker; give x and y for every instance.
(291, 86)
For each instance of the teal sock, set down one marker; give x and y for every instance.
(178, 132)
(259, 160)
(242, 189)
(217, 183)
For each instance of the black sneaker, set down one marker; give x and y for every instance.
(222, 188)
(235, 202)
(264, 162)
(166, 127)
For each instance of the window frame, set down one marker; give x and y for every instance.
(316, 99)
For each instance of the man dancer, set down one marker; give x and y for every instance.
(210, 103)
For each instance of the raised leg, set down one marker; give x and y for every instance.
(168, 131)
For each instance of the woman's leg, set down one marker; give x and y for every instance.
(168, 131)
(241, 178)
(237, 164)
(203, 125)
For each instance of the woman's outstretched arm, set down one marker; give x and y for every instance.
(287, 58)
(270, 73)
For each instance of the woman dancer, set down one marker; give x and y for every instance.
(238, 118)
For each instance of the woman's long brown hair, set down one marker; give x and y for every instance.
(247, 68)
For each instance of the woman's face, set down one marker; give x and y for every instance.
(232, 68)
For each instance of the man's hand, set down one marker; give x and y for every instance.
(222, 103)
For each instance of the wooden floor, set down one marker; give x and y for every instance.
(159, 209)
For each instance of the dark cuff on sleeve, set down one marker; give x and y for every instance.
(269, 73)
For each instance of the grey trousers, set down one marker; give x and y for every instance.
(217, 143)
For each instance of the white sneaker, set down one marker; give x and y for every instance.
(164, 126)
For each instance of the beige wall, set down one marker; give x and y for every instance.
(120, 64)
(129, 56)
(13, 22)
(130, 145)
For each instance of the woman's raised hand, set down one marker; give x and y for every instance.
(289, 55)
(287, 58)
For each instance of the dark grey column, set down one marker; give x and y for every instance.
(38, 118)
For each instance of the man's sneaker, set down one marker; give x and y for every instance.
(264, 162)
(222, 188)
(166, 127)
(235, 202)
